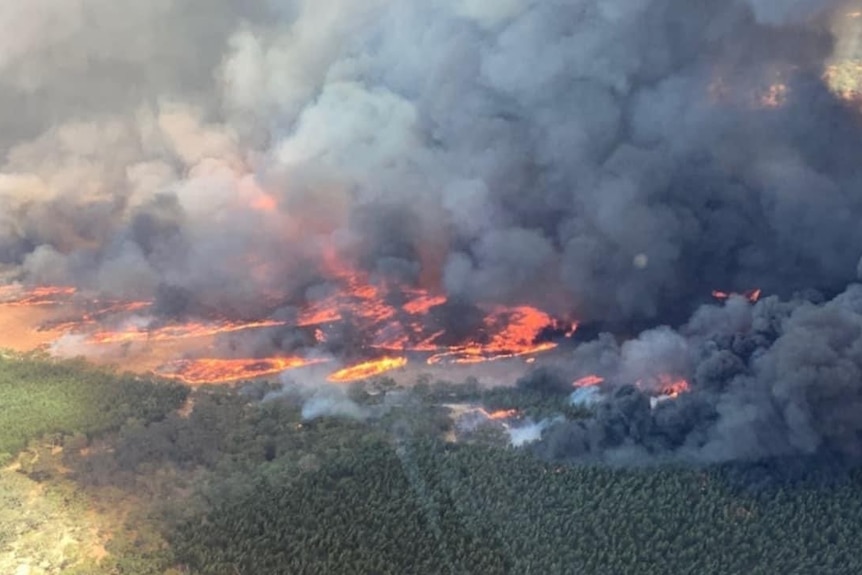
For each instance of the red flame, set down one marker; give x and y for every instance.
(665, 385)
(14, 295)
(181, 331)
(390, 317)
(198, 371)
(588, 381)
(672, 387)
(752, 295)
(513, 333)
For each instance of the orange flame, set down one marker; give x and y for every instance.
(199, 371)
(752, 295)
(85, 319)
(774, 97)
(13, 295)
(513, 333)
(673, 387)
(588, 381)
(422, 303)
(179, 331)
(502, 414)
(393, 317)
(264, 203)
(367, 369)
(506, 332)
(844, 79)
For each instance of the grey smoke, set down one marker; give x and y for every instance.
(612, 152)
(778, 378)
(332, 407)
(320, 399)
(613, 160)
(522, 434)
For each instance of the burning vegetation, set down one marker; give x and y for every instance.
(355, 304)
(318, 200)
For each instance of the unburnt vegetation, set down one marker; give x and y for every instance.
(239, 482)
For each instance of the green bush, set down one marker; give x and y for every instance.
(41, 396)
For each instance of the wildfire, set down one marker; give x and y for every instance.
(844, 79)
(664, 387)
(101, 310)
(179, 331)
(774, 97)
(393, 319)
(772, 94)
(513, 333)
(198, 371)
(588, 381)
(752, 295)
(461, 410)
(422, 303)
(14, 295)
(264, 203)
(672, 387)
(501, 414)
(367, 369)
(505, 333)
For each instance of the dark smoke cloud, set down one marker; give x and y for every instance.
(775, 379)
(612, 159)
(609, 160)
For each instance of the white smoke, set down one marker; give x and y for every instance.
(522, 434)
(330, 405)
(319, 398)
(586, 396)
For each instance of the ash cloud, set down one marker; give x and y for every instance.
(626, 156)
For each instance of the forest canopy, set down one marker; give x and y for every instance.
(40, 395)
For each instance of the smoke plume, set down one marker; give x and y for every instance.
(777, 378)
(609, 160)
(627, 157)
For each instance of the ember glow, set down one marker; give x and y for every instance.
(14, 295)
(772, 94)
(179, 331)
(512, 333)
(404, 326)
(367, 369)
(588, 381)
(198, 371)
(752, 295)
(844, 79)
(775, 96)
(502, 414)
(394, 319)
(672, 387)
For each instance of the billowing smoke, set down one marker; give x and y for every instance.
(778, 378)
(626, 156)
(609, 160)
(527, 433)
(320, 399)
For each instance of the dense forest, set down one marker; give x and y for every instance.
(39, 395)
(426, 507)
(240, 482)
